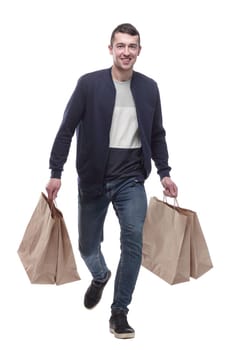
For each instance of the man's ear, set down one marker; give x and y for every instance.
(110, 49)
(139, 50)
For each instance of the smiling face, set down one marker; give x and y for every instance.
(125, 49)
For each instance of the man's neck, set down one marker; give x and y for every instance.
(121, 75)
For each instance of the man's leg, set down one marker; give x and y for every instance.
(130, 203)
(91, 216)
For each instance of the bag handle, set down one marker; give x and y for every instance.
(175, 202)
(55, 212)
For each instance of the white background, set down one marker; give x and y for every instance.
(187, 49)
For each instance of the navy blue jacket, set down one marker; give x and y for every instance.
(89, 113)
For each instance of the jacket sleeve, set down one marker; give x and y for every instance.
(158, 141)
(72, 116)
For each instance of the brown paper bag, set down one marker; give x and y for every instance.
(174, 247)
(166, 242)
(45, 250)
(200, 260)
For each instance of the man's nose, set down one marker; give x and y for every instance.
(126, 50)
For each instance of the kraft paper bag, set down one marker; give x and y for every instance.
(166, 242)
(45, 250)
(200, 260)
(174, 247)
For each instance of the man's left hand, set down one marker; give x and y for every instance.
(170, 188)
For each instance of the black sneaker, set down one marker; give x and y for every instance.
(119, 326)
(94, 292)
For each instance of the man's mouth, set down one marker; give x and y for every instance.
(126, 60)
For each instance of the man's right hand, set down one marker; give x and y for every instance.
(53, 187)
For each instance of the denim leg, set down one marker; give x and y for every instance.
(130, 204)
(91, 216)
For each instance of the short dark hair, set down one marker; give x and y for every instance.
(126, 28)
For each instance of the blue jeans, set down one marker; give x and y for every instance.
(130, 204)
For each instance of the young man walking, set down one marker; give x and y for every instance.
(116, 113)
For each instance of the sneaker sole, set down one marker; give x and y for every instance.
(122, 335)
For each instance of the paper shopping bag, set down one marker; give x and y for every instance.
(45, 250)
(200, 260)
(165, 226)
(166, 242)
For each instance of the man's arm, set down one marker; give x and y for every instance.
(61, 146)
(160, 152)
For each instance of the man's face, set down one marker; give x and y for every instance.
(125, 49)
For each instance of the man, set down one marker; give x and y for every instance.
(116, 114)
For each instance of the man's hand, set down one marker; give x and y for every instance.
(53, 187)
(171, 189)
